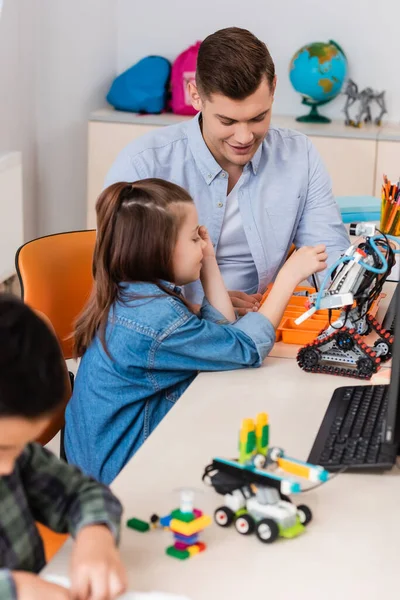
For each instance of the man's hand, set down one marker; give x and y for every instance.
(245, 303)
(32, 587)
(97, 572)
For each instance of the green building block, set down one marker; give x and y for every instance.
(251, 442)
(185, 517)
(291, 532)
(138, 525)
(180, 554)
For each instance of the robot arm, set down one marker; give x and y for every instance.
(354, 278)
(343, 287)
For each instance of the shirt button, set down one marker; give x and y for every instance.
(220, 205)
(223, 174)
(209, 176)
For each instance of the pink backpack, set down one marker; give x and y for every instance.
(183, 71)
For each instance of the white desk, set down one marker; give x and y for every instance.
(349, 551)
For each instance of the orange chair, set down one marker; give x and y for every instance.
(53, 541)
(57, 421)
(55, 273)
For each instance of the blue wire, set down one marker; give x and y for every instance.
(391, 237)
(345, 259)
(384, 266)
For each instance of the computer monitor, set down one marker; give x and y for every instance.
(391, 432)
(389, 319)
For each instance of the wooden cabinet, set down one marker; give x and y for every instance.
(350, 163)
(388, 156)
(355, 158)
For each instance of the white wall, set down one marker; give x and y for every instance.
(368, 35)
(76, 62)
(17, 96)
(57, 60)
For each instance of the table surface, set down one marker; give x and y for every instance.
(349, 550)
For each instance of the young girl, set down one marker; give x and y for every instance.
(141, 342)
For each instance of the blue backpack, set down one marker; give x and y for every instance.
(143, 87)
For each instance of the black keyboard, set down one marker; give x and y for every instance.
(351, 432)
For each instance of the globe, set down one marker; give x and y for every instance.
(317, 71)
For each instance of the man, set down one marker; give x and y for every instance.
(257, 188)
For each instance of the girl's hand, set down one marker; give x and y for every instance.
(208, 249)
(304, 262)
(301, 264)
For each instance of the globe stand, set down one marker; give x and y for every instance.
(313, 116)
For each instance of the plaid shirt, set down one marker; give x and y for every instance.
(45, 489)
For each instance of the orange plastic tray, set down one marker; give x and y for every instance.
(301, 334)
(290, 333)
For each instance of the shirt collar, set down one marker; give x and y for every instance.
(171, 286)
(255, 161)
(205, 162)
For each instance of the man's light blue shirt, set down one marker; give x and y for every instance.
(285, 193)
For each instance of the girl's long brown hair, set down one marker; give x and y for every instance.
(137, 230)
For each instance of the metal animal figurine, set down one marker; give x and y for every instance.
(365, 98)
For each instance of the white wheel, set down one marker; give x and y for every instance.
(264, 532)
(223, 516)
(304, 513)
(267, 531)
(383, 347)
(259, 461)
(245, 525)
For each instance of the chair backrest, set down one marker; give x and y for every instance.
(55, 273)
(58, 420)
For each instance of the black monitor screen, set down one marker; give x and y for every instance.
(392, 425)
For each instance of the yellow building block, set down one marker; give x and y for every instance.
(293, 468)
(193, 550)
(247, 426)
(192, 527)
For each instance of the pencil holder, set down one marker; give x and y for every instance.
(390, 208)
